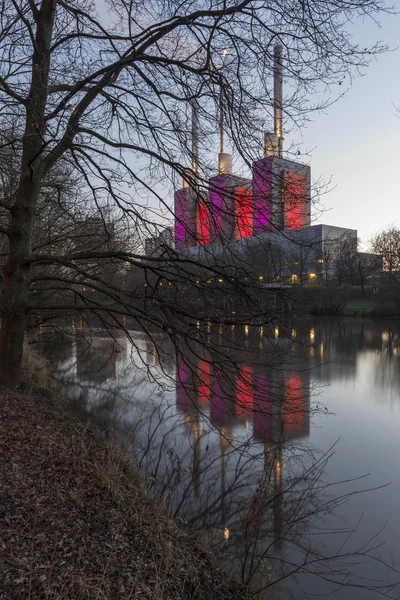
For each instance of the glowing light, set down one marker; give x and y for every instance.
(261, 278)
(312, 334)
(203, 224)
(227, 533)
(294, 333)
(295, 278)
(246, 329)
(198, 324)
(220, 280)
(276, 332)
(197, 282)
(312, 275)
(295, 196)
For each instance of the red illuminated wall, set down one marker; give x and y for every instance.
(243, 213)
(295, 200)
(203, 225)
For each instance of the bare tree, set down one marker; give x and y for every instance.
(387, 244)
(114, 100)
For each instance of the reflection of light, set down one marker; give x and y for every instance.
(276, 332)
(293, 333)
(261, 331)
(246, 329)
(154, 355)
(385, 336)
(226, 533)
(321, 349)
(312, 334)
(209, 326)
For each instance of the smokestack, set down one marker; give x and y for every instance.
(195, 138)
(224, 163)
(278, 97)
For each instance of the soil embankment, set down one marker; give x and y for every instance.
(76, 521)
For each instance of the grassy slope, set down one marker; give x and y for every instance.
(76, 522)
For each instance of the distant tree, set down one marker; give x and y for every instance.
(365, 266)
(387, 244)
(346, 261)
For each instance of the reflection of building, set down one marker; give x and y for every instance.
(96, 362)
(279, 411)
(277, 404)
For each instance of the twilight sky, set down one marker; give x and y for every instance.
(357, 142)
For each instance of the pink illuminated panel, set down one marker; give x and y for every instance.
(216, 208)
(243, 213)
(295, 190)
(180, 218)
(262, 195)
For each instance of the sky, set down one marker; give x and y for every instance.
(356, 143)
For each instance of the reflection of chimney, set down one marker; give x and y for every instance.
(278, 497)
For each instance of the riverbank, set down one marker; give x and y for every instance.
(76, 521)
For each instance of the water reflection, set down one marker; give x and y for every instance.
(226, 445)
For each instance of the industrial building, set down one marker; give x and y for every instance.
(260, 222)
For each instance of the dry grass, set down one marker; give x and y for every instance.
(34, 367)
(76, 521)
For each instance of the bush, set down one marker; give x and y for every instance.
(34, 367)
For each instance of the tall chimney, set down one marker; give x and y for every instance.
(195, 138)
(278, 97)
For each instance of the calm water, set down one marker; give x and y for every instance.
(278, 447)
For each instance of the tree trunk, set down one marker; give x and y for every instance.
(17, 279)
(17, 272)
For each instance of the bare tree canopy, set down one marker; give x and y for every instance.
(106, 90)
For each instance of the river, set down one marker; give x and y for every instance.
(278, 447)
